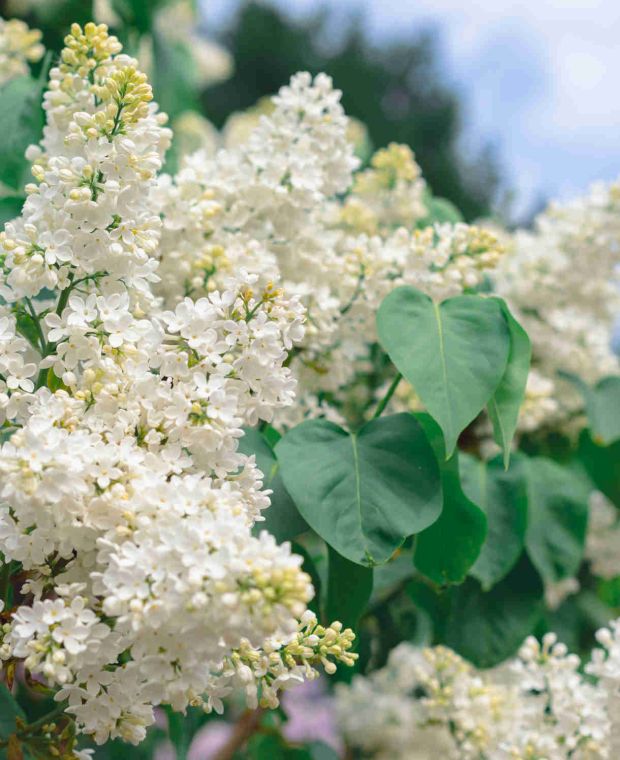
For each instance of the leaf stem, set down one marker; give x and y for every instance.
(386, 399)
(34, 727)
(247, 725)
(64, 295)
(36, 321)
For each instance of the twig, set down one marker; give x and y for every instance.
(246, 726)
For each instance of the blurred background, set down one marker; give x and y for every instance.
(506, 104)
(523, 92)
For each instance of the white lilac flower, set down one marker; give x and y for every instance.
(19, 46)
(539, 705)
(124, 495)
(560, 280)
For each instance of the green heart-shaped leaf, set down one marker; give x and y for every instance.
(487, 628)
(504, 405)
(282, 519)
(557, 518)
(454, 353)
(363, 492)
(502, 495)
(446, 550)
(602, 405)
(349, 587)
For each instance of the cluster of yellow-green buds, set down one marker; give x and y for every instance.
(87, 49)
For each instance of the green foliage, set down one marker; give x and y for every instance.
(139, 14)
(363, 492)
(504, 406)
(603, 407)
(557, 518)
(21, 123)
(454, 354)
(502, 495)
(446, 550)
(349, 587)
(270, 746)
(601, 465)
(310, 566)
(282, 519)
(174, 77)
(177, 733)
(440, 210)
(10, 207)
(488, 627)
(9, 711)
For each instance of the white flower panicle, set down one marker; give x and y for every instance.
(19, 47)
(561, 281)
(285, 204)
(124, 497)
(539, 706)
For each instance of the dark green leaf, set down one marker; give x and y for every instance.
(602, 464)
(557, 518)
(282, 519)
(502, 495)
(10, 207)
(392, 575)
(504, 406)
(21, 123)
(486, 628)
(434, 603)
(364, 492)
(454, 354)
(603, 407)
(349, 587)
(446, 550)
(9, 711)
(138, 13)
(309, 567)
(177, 732)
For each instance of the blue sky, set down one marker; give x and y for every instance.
(540, 78)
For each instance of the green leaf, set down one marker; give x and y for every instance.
(175, 78)
(282, 519)
(9, 711)
(557, 518)
(387, 578)
(601, 465)
(309, 566)
(10, 207)
(504, 406)
(349, 587)
(603, 407)
(138, 13)
(322, 751)
(446, 550)
(265, 747)
(439, 210)
(434, 602)
(502, 495)
(363, 492)
(454, 353)
(488, 627)
(177, 732)
(21, 123)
